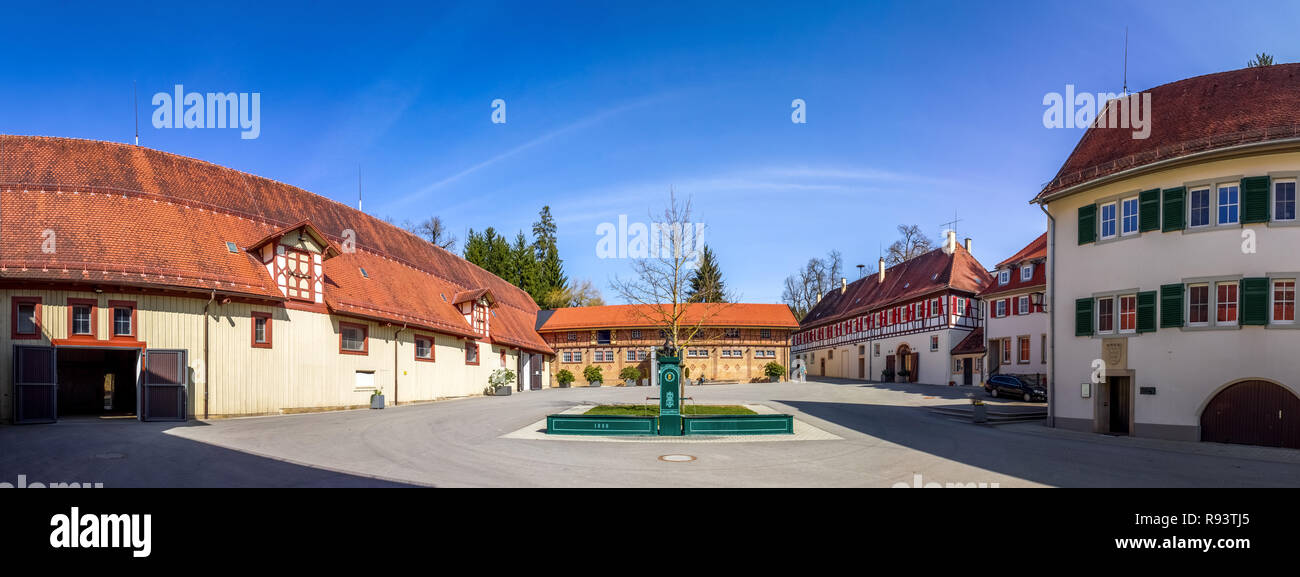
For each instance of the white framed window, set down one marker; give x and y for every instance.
(1001, 308)
(631, 356)
(1004, 277)
(1198, 305)
(934, 342)
(1129, 224)
(1022, 304)
(956, 366)
(365, 380)
(1198, 203)
(1106, 315)
(1229, 204)
(1128, 313)
(573, 337)
(1284, 200)
(876, 349)
(1284, 301)
(636, 333)
(1225, 303)
(1006, 351)
(1027, 272)
(1023, 352)
(934, 307)
(961, 306)
(1108, 220)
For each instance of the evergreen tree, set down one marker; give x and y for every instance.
(523, 265)
(550, 274)
(706, 283)
(475, 248)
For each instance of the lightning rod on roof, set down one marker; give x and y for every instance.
(358, 187)
(135, 107)
(1125, 89)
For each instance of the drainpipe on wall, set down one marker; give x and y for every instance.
(206, 384)
(1051, 316)
(396, 344)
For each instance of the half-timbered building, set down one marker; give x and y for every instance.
(899, 324)
(1015, 318)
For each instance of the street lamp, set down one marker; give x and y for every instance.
(1038, 300)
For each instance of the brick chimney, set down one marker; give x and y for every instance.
(881, 268)
(968, 244)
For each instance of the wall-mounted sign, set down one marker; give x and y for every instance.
(1085, 390)
(1147, 390)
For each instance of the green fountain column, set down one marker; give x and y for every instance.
(670, 396)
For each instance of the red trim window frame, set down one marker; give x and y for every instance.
(472, 345)
(267, 331)
(35, 317)
(112, 321)
(416, 352)
(94, 319)
(365, 339)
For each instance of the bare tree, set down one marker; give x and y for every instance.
(575, 294)
(433, 230)
(662, 280)
(913, 243)
(804, 288)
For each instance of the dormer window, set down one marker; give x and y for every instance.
(476, 307)
(1027, 272)
(1004, 277)
(295, 258)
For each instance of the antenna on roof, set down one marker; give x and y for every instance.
(358, 186)
(862, 270)
(135, 106)
(950, 225)
(1125, 89)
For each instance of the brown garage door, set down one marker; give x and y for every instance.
(1253, 413)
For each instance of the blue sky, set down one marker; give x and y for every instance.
(916, 111)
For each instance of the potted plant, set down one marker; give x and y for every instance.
(593, 375)
(774, 371)
(630, 376)
(377, 398)
(564, 377)
(500, 383)
(952, 383)
(887, 375)
(903, 374)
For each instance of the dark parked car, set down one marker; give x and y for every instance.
(1014, 386)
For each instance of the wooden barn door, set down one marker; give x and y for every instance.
(1253, 413)
(915, 368)
(36, 388)
(166, 380)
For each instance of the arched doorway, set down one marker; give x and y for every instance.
(1253, 413)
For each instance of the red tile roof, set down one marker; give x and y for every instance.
(1247, 106)
(621, 316)
(931, 272)
(126, 215)
(972, 344)
(1036, 250)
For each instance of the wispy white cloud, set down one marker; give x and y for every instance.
(544, 138)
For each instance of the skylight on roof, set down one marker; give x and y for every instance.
(364, 274)
(230, 246)
(444, 296)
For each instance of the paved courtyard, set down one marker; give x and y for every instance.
(886, 433)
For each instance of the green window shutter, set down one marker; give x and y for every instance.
(1087, 224)
(1083, 318)
(1254, 199)
(1146, 312)
(1254, 301)
(1149, 210)
(1171, 305)
(1175, 210)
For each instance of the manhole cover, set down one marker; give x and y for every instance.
(111, 456)
(676, 458)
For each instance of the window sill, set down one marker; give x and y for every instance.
(260, 345)
(360, 353)
(1211, 328)
(424, 360)
(1284, 326)
(1283, 223)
